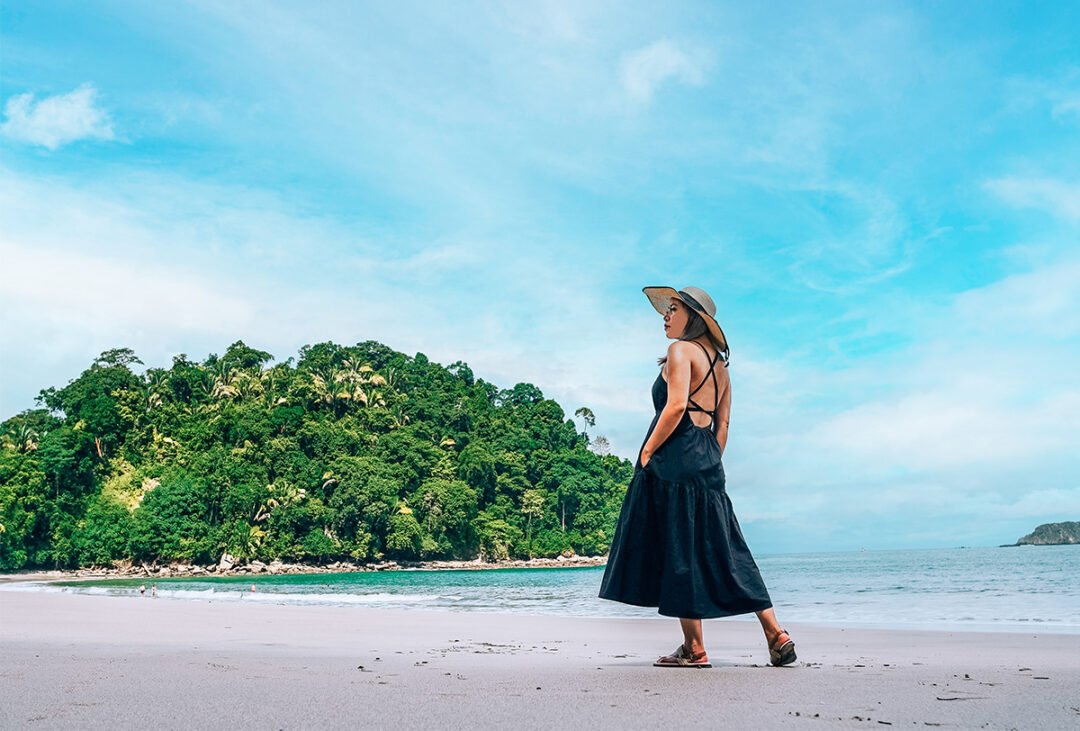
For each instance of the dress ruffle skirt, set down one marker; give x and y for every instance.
(677, 544)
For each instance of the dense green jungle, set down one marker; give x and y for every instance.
(354, 453)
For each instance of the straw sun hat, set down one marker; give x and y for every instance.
(693, 297)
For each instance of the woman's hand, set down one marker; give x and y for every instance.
(644, 458)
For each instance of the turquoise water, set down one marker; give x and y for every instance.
(1008, 589)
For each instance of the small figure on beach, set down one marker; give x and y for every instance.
(677, 544)
(142, 590)
(153, 590)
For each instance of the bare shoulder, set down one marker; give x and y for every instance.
(681, 346)
(681, 351)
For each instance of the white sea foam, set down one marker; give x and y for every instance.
(241, 593)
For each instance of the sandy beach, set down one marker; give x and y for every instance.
(77, 661)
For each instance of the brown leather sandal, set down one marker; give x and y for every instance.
(683, 659)
(782, 653)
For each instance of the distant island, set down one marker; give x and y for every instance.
(1052, 534)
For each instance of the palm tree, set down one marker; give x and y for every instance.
(273, 380)
(351, 386)
(393, 377)
(255, 538)
(225, 383)
(357, 377)
(157, 387)
(375, 394)
(22, 438)
(283, 494)
(248, 386)
(202, 387)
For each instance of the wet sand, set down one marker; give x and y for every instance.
(78, 661)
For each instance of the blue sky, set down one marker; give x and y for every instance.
(883, 199)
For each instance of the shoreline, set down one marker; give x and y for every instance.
(278, 568)
(86, 661)
(237, 567)
(33, 582)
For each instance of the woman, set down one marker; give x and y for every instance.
(677, 545)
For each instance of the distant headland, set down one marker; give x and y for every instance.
(1051, 534)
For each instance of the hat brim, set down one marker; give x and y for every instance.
(661, 297)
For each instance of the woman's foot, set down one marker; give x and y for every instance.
(781, 649)
(681, 658)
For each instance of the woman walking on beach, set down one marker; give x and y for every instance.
(677, 545)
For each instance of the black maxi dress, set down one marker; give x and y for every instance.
(677, 544)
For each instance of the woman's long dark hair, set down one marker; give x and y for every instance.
(695, 328)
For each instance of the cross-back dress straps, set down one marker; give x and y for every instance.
(694, 406)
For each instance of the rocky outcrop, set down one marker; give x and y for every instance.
(1052, 534)
(233, 566)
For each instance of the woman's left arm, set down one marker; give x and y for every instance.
(678, 388)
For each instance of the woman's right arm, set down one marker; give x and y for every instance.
(723, 416)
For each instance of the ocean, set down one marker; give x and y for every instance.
(1027, 588)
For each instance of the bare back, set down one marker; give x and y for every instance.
(712, 397)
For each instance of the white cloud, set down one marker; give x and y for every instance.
(952, 425)
(1067, 108)
(1061, 92)
(1044, 301)
(1058, 197)
(988, 384)
(969, 433)
(643, 71)
(104, 294)
(57, 120)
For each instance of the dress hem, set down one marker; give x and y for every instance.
(734, 613)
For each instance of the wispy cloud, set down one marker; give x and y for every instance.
(1059, 91)
(874, 247)
(58, 120)
(645, 70)
(1059, 197)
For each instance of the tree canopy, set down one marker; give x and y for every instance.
(352, 453)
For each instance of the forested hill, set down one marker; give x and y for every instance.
(358, 453)
(1053, 534)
